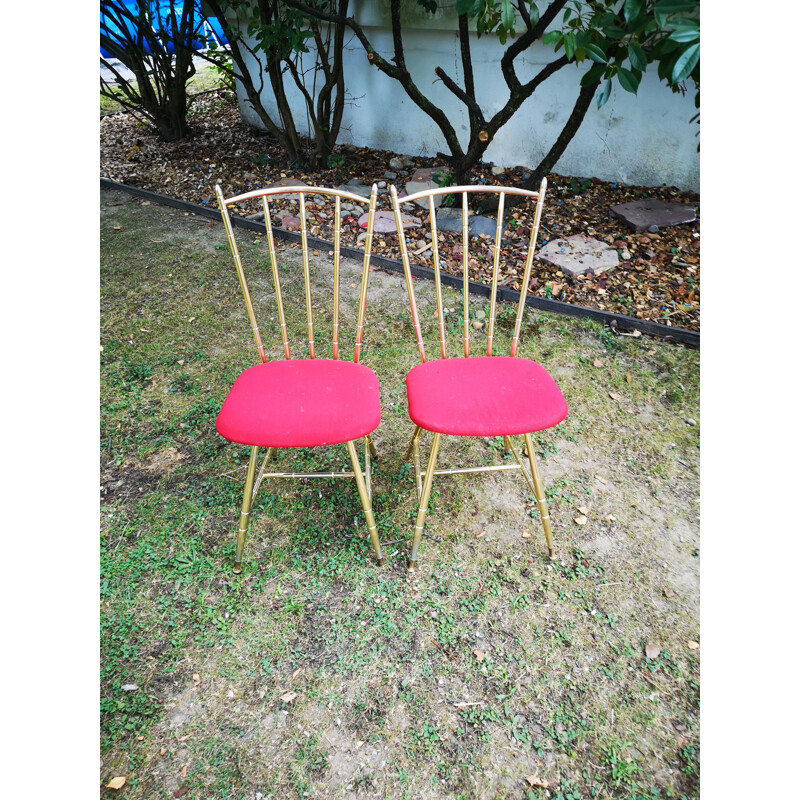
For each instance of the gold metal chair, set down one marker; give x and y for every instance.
(479, 395)
(302, 402)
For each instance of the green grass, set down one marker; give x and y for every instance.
(204, 79)
(491, 665)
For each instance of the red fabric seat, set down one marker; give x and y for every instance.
(483, 396)
(301, 403)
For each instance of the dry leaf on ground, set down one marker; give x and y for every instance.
(535, 780)
(116, 783)
(652, 650)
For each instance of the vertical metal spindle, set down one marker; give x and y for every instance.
(407, 271)
(362, 300)
(436, 275)
(275, 277)
(336, 254)
(495, 270)
(523, 291)
(306, 273)
(465, 248)
(240, 271)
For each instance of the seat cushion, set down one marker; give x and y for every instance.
(483, 396)
(301, 403)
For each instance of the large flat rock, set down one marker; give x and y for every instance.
(578, 254)
(385, 221)
(643, 214)
(424, 179)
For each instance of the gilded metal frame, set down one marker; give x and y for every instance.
(363, 478)
(424, 478)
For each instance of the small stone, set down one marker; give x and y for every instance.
(625, 255)
(477, 324)
(396, 163)
(356, 188)
(381, 184)
(288, 183)
(480, 314)
(691, 422)
(653, 229)
(290, 223)
(498, 170)
(482, 226)
(390, 176)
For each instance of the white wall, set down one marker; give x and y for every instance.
(644, 139)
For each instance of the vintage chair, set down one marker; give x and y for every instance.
(302, 402)
(479, 395)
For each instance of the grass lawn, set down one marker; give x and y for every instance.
(494, 672)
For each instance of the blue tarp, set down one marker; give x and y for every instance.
(158, 17)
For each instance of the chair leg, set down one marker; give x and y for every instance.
(506, 445)
(372, 450)
(247, 503)
(413, 443)
(366, 503)
(423, 502)
(539, 494)
(368, 449)
(413, 449)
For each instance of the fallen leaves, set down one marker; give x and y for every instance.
(116, 783)
(581, 520)
(288, 697)
(659, 282)
(479, 655)
(692, 645)
(535, 780)
(652, 651)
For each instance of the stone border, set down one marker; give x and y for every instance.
(617, 322)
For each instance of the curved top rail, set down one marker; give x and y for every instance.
(467, 190)
(273, 190)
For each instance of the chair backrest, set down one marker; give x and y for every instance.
(464, 191)
(263, 196)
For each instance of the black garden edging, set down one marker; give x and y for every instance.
(617, 322)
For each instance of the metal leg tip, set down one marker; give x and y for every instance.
(381, 562)
(551, 553)
(237, 569)
(412, 565)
